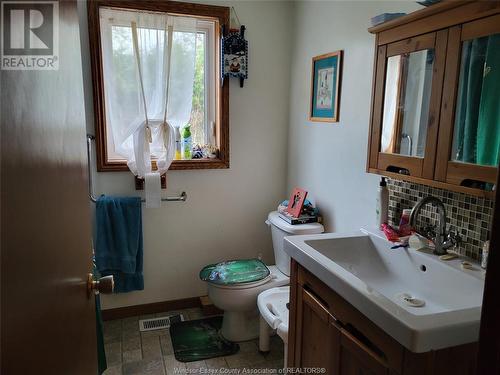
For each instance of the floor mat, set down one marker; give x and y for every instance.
(196, 340)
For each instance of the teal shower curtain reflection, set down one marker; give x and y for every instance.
(477, 121)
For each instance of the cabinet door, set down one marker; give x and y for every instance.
(406, 105)
(469, 136)
(356, 358)
(316, 339)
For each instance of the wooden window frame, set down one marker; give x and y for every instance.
(447, 170)
(219, 14)
(422, 167)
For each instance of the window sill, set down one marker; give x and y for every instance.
(121, 166)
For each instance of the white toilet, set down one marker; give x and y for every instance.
(239, 300)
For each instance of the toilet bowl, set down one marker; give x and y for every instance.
(238, 299)
(239, 303)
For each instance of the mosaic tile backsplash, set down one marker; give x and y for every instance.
(468, 215)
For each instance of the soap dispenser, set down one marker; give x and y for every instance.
(382, 206)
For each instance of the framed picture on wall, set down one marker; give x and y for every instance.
(325, 87)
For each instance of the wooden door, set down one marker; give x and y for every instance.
(448, 169)
(316, 341)
(488, 362)
(385, 156)
(356, 357)
(48, 323)
(322, 342)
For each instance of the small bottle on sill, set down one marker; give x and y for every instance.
(187, 143)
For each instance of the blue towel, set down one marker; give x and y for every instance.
(119, 246)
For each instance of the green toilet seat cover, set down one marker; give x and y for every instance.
(233, 272)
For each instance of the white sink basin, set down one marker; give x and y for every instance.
(374, 278)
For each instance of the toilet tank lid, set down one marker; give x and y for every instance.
(310, 228)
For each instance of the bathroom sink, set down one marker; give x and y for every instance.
(421, 301)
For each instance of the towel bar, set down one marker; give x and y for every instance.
(90, 138)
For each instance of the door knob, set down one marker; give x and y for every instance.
(104, 285)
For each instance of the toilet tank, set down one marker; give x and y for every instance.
(279, 230)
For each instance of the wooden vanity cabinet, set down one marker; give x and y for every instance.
(327, 332)
(416, 133)
(318, 336)
(324, 343)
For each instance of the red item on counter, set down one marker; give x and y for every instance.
(296, 202)
(405, 228)
(390, 233)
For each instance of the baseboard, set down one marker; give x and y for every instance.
(150, 308)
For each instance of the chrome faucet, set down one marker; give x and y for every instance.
(442, 239)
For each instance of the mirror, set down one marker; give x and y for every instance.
(476, 138)
(406, 103)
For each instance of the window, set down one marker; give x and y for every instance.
(115, 52)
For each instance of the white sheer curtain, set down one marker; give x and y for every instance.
(148, 65)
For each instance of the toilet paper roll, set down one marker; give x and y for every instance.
(152, 186)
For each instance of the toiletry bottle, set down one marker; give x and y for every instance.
(187, 143)
(178, 154)
(382, 206)
(404, 224)
(484, 258)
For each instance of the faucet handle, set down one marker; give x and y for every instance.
(455, 238)
(452, 241)
(430, 231)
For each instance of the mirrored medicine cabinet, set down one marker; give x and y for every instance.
(435, 116)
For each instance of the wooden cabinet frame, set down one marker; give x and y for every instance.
(447, 170)
(451, 22)
(309, 355)
(362, 357)
(417, 166)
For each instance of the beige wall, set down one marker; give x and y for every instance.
(226, 209)
(329, 160)
(225, 212)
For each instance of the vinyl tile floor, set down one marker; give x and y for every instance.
(131, 352)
